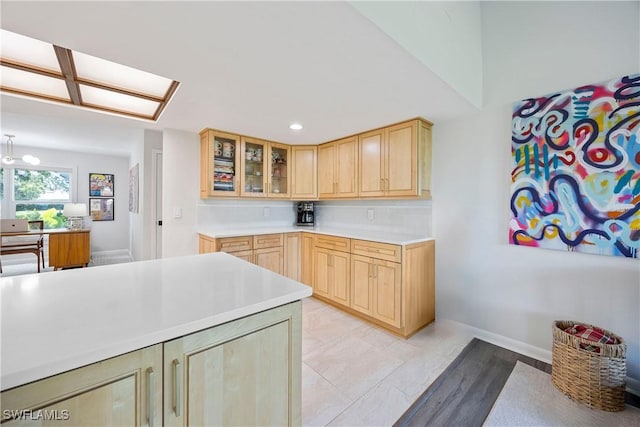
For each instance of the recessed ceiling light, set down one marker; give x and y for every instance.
(295, 126)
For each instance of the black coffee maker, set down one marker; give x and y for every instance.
(306, 214)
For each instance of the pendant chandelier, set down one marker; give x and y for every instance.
(9, 159)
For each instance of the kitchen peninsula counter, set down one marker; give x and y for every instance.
(57, 321)
(375, 236)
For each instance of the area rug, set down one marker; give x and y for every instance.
(528, 398)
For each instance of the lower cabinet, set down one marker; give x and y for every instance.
(307, 245)
(265, 250)
(376, 288)
(270, 258)
(121, 391)
(392, 286)
(332, 271)
(292, 256)
(245, 372)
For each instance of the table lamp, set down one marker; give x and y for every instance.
(75, 213)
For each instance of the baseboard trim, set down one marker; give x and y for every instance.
(633, 385)
(98, 257)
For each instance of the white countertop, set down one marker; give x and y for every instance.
(60, 320)
(375, 236)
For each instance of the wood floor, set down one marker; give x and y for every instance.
(466, 391)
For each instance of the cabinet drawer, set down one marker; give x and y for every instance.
(377, 250)
(267, 241)
(332, 242)
(234, 244)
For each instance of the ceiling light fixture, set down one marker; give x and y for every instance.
(9, 159)
(295, 126)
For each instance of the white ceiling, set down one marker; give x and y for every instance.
(245, 67)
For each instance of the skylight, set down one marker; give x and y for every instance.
(37, 69)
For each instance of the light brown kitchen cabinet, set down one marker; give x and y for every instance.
(304, 176)
(376, 288)
(265, 250)
(332, 275)
(292, 256)
(395, 161)
(219, 164)
(389, 162)
(246, 372)
(265, 169)
(307, 246)
(390, 285)
(206, 244)
(338, 169)
(279, 171)
(270, 258)
(122, 391)
(254, 167)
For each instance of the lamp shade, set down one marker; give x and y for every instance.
(75, 210)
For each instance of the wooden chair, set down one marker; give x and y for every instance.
(26, 243)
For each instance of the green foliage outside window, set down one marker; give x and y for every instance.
(39, 194)
(32, 184)
(52, 216)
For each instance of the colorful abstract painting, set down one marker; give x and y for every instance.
(576, 170)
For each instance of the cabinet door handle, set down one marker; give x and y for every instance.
(386, 180)
(177, 385)
(375, 271)
(151, 376)
(382, 184)
(370, 273)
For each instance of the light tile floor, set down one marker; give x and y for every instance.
(357, 374)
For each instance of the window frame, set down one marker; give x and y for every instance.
(9, 201)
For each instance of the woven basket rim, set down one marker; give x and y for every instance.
(558, 330)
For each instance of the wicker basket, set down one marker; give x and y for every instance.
(595, 379)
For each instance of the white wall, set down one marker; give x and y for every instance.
(136, 234)
(105, 235)
(181, 190)
(445, 36)
(142, 222)
(530, 49)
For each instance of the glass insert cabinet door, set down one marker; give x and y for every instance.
(223, 164)
(255, 155)
(279, 170)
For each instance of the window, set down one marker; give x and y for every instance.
(36, 193)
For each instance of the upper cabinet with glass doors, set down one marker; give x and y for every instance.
(254, 167)
(279, 170)
(265, 169)
(392, 162)
(219, 164)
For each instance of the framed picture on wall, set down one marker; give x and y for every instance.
(101, 185)
(101, 209)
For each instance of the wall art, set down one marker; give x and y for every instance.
(101, 185)
(576, 169)
(102, 209)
